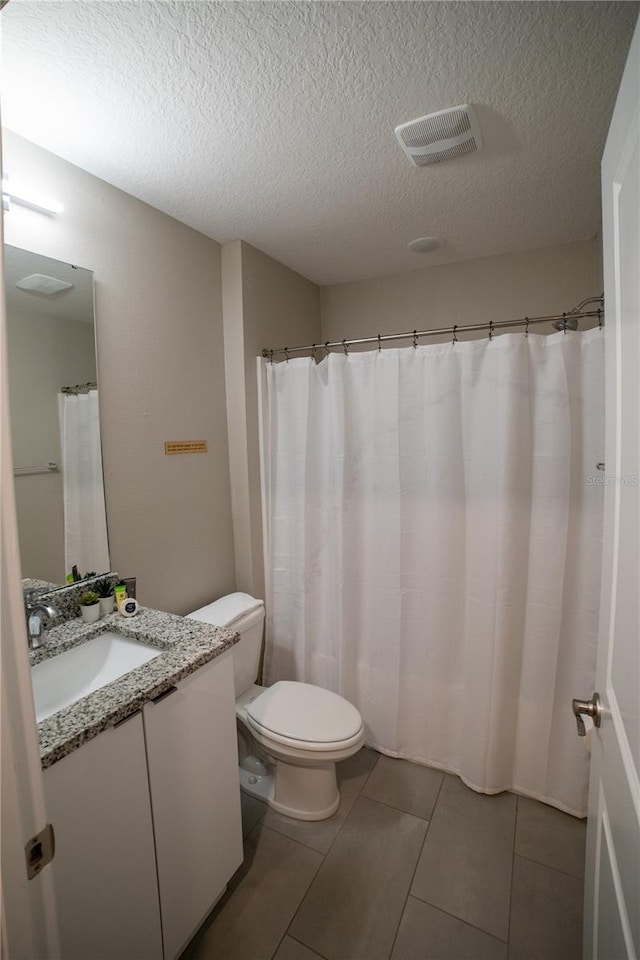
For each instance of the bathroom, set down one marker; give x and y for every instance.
(181, 316)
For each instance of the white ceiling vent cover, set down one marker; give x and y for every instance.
(444, 135)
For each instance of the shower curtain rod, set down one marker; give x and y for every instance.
(80, 388)
(562, 318)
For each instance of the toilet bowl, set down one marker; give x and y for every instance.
(290, 735)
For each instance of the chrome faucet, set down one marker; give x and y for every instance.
(34, 613)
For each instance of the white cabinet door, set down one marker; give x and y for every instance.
(193, 776)
(104, 866)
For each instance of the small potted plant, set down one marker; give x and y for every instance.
(90, 606)
(104, 589)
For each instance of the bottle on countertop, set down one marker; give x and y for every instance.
(120, 592)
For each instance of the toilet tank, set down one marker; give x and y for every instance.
(243, 614)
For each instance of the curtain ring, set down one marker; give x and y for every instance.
(415, 339)
(346, 348)
(599, 319)
(271, 356)
(327, 347)
(490, 329)
(455, 336)
(313, 352)
(379, 344)
(526, 326)
(286, 354)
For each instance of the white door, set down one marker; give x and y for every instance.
(28, 926)
(612, 891)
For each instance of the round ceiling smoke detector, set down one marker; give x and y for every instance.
(423, 244)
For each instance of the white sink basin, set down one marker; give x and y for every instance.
(71, 675)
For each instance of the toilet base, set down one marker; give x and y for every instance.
(302, 793)
(255, 785)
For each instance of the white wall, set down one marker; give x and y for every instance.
(160, 373)
(45, 353)
(265, 304)
(533, 283)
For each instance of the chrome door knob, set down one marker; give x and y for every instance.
(588, 708)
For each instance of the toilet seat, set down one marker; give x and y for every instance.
(305, 717)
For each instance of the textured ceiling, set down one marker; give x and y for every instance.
(273, 122)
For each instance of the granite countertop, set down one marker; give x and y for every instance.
(44, 586)
(187, 645)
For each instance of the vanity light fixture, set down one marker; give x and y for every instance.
(12, 191)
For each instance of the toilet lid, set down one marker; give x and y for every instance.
(302, 711)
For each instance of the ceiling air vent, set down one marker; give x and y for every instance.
(440, 136)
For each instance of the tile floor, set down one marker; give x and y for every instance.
(412, 866)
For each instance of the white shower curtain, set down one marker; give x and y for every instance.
(85, 524)
(433, 534)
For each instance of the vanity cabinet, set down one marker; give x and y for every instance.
(104, 867)
(147, 823)
(193, 775)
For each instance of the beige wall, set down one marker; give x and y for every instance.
(536, 282)
(160, 372)
(45, 353)
(265, 305)
(161, 363)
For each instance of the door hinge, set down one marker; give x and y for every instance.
(39, 851)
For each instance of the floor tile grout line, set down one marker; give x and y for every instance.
(355, 800)
(315, 874)
(437, 800)
(433, 905)
(266, 826)
(513, 868)
(293, 918)
(297, 940)
(315, 849)
(298, 843)
(339, 831)
(541, 863)
(453, 916)
(301, 843)
(259, 825)
(424, 840)
(368, 777)
(324, 857)
(390, 806)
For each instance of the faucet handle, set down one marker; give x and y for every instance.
(32, 596)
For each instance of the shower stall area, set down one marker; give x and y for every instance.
(433, 525)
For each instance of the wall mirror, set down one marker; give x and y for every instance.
(55, 428)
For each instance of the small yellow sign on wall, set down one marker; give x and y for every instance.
(186, 446)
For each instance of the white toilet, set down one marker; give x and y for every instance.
(290, 735)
